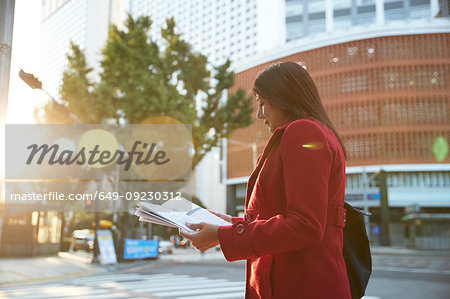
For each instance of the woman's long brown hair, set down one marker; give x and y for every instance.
(289, 87)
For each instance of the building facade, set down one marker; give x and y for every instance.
(84, 22)
(221, 30)
(310, 17)
(386, 88)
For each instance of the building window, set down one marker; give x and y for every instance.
(294, 8)
(394, 10)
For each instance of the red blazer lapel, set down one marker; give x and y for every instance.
(273, 140)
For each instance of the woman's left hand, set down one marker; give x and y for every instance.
(203, 239)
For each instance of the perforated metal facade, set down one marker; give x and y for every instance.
(387, 96)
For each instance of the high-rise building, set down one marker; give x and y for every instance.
(235, 29)
(83, 22)
(382, 71)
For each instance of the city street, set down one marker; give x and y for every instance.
(188, 274)
(123, 122)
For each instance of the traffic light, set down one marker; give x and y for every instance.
(30, 79)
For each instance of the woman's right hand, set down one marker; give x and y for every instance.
(225, 217)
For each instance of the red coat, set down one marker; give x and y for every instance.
(291, 233)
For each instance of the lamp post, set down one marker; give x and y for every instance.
(35, 83)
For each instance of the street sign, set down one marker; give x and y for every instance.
(106, 246)
(140, 249)
(360, 196)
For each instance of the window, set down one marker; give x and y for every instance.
(49, 230)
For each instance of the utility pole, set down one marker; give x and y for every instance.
(96, 254)
(381, 180)
(365, 185)
(6, 33)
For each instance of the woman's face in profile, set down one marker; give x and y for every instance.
(272, 116)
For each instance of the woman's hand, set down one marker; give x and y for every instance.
(203, 239)
(225, 217)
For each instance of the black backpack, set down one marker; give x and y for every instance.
(356, 251)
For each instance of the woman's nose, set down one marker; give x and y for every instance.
(259, 113)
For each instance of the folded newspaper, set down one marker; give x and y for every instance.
(175, 213)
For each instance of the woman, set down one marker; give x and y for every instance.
(292, 231)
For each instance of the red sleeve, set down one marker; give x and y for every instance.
(236, 219)
(306, 162)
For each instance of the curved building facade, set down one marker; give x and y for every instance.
(387, 92)
(387, 96)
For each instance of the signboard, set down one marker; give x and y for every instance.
(360, 196)
(106, 247)
(140, 249)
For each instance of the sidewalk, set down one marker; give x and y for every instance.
(34, 269)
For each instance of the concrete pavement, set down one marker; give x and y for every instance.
(34, 269)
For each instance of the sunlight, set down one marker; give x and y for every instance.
(25, 54)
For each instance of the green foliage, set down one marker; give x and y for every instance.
(140, 80)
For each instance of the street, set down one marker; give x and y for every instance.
(189, 274)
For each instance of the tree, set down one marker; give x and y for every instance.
(140, 79)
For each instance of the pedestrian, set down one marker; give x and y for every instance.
(291, 234)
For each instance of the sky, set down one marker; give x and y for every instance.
(25, 55)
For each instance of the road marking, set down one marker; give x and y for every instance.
(412, 270)
(168, 284)
(31, 287)
(191, 286)
(107, 296)
(124, 279)
(198, 291)
(121, 285)
(58, 292)
(108, 276)
(218, 296)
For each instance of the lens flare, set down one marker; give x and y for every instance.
(440, 149)
(316, 145)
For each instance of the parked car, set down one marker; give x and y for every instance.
(82, 239)
(165, 247)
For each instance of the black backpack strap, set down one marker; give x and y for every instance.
(336, 216)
